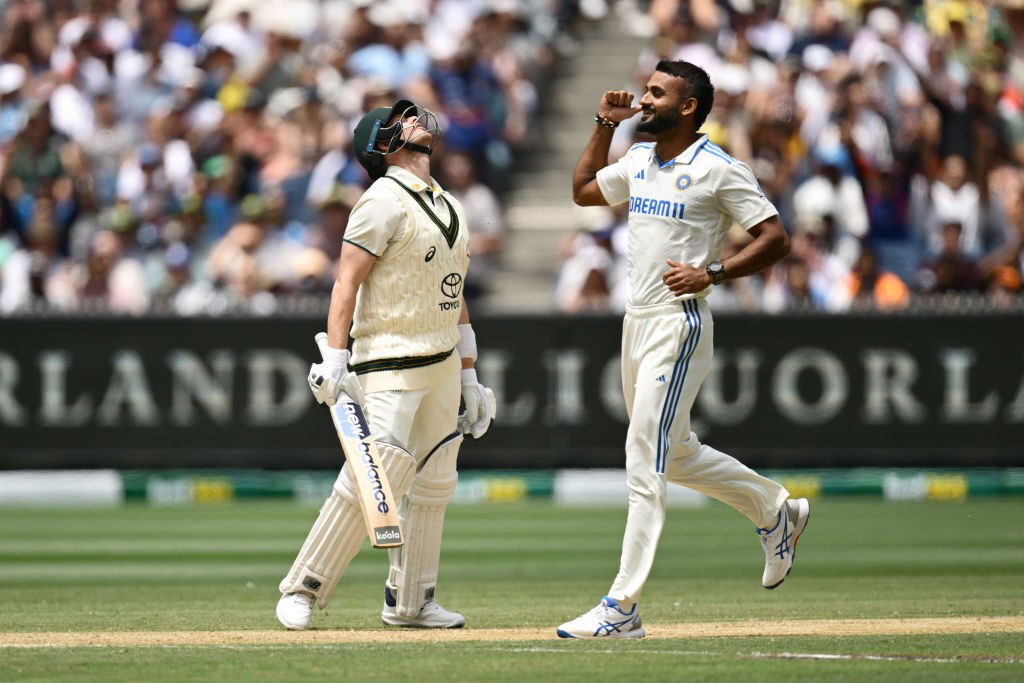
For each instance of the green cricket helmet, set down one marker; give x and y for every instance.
(376, 135)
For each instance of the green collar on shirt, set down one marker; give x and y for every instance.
(401, 177)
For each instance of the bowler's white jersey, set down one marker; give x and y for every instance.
(680, 209)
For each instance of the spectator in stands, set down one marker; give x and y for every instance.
(34, 159)
(835, 200)
(788, 287)
(826, 272)
(328, 234)
(181, 114)
(15, 265)
(12, 104)
(111, 277)
(583, 281)
(26, 34)
(1004, 287)
(474, 103)
(951, 198)
(178, 290)
(951, 269)
(105, 150)
(858, 127)
(872, 287)
(585, 277)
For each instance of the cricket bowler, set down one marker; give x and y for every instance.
(684, 194)
(399, 285)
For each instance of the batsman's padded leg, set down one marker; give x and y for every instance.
(713, 473)
(414, 566)
(339, 530)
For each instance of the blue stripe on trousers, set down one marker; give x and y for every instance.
(662, 431)
(677, 376)
(675, 386)
(686, 368)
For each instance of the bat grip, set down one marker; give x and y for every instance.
(321, 343)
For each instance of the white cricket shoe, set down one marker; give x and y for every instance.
(604, 621)
(779, 542)
(431, 615)
(294, 611)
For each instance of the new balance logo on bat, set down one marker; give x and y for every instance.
(354, 425)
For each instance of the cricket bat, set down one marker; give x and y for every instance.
(380, 509)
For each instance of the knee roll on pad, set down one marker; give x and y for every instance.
(414, 565)
(399, 466)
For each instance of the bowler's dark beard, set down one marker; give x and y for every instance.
(658, 123)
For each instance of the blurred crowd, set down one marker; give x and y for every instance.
(890, 135)
(194, 156)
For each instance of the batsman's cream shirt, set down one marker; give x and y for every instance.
(680, 209)
(407, 310)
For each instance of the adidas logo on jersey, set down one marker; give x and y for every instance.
(640, 174)
(661, 379)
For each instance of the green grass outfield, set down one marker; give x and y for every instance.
(216, 568)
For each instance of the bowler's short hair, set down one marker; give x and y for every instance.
(698, 85)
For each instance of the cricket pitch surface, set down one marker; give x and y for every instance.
(679, 631)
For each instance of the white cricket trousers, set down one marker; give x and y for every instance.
(666, 354)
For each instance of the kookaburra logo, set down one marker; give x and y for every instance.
(451, 285)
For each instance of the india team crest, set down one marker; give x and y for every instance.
(684, 181)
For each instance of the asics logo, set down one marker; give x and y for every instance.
(607, 627)
(783, 546)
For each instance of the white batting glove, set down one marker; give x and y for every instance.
(480, 405)
(331, 381)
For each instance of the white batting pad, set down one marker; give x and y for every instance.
(414, 565)
(339, 530)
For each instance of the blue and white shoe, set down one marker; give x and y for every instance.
(779, 542)
(604, 621)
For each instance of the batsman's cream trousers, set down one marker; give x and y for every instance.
(416, 417)
(666, 354)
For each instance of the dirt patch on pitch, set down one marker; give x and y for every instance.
(729, 629)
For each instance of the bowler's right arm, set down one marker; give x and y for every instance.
(615, 106)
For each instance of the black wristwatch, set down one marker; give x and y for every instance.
(717, 272)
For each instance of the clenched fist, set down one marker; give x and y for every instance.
(617, 105)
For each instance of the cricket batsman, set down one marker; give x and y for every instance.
(399, 286)
(684, 194)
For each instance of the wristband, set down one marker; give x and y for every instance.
(467, 342)
(336, 358)
(468, 377)
(602, 121)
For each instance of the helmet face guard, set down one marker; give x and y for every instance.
(426, 122)
(392, 128)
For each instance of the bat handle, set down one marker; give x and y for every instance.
(321, 343)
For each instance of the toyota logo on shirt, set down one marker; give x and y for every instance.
(451, 285)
